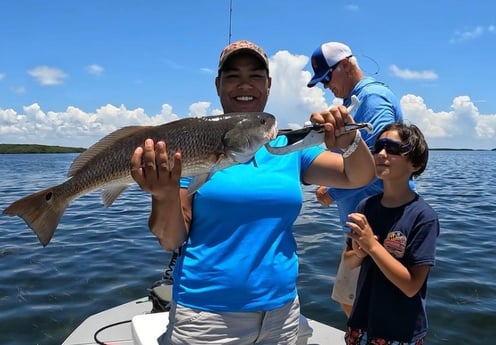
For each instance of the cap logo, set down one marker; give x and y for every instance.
(315, 65)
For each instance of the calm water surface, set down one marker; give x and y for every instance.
(101, 257)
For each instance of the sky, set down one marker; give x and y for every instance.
(73, 71)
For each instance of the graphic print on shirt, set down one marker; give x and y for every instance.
(395, 243)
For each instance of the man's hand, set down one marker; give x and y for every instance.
(334, 120)
(323, 196)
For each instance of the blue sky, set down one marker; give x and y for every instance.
(73, 71)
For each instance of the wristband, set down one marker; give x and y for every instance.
(353, 146)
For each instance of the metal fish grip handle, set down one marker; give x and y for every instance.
(312, 134)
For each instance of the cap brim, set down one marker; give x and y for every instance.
(246, 51)
(317, 79)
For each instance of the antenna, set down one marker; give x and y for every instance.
(230, 18)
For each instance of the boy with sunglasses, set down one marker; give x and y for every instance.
(337, 69)
(392, 239)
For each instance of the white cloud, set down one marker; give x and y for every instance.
(2, 76)
(94, 69)
(199, 109)
(18, 90)
(8, 117)
(172, 64)
(46, 75)
(207, 70)
(73, 127)
(461, 126)
(408, 74)
(290, 98)
(353, 7)
(468, 35)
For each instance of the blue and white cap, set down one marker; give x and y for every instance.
(325, 58)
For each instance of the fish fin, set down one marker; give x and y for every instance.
(41, 211)
(101, 146)
(241, 157)
(198, 181)
(111, 192)
(223, 161)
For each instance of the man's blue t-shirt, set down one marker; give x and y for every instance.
(240, 254)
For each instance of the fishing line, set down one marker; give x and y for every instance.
(378, 68)
(95, 337)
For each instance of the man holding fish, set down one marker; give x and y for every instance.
(235, 281)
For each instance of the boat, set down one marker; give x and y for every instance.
(142, 321)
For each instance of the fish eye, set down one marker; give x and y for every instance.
(263, 121)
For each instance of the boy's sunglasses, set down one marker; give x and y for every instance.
(392, 147)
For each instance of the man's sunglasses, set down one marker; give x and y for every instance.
(328, 76)
(392, 147)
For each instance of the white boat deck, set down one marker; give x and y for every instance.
(143, 328)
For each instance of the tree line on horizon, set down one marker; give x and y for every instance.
(36, 148)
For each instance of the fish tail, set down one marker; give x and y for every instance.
(41, 211)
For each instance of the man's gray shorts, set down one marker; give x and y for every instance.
(345, 284)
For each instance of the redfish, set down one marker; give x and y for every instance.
(207, 144)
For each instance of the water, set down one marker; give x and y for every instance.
(101, 257)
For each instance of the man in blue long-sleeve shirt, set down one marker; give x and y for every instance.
(337, 69)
